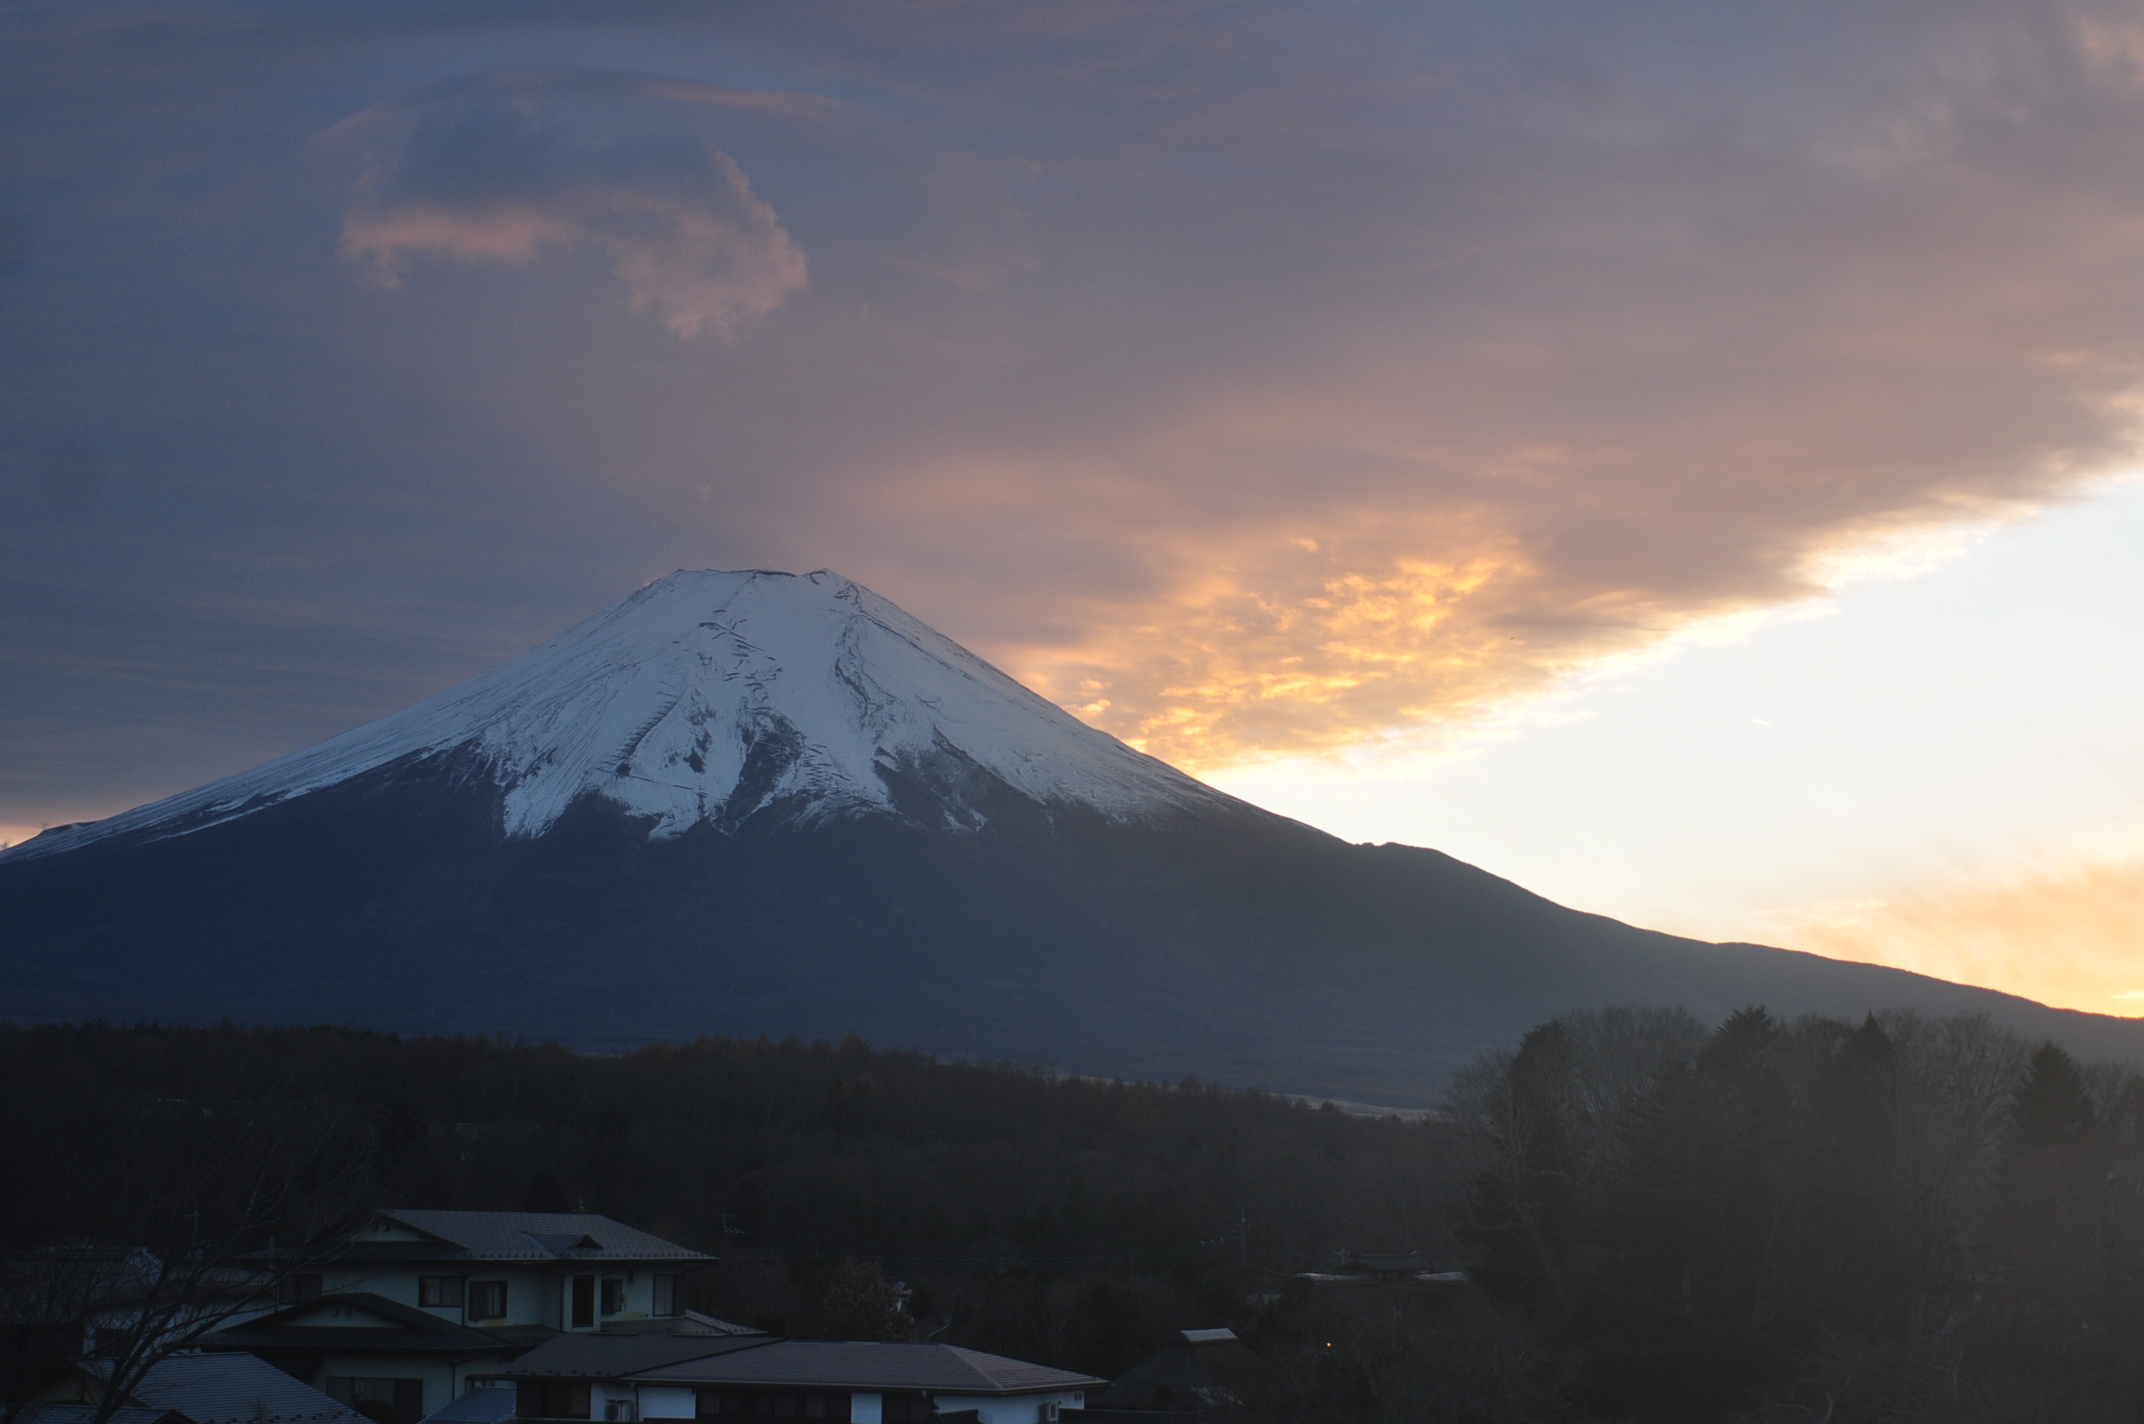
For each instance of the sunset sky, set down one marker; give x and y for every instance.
(1678, 456)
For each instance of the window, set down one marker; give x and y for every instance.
(297, 1288)
(584, 1302)
(903, 1408)
(487, 1300)
(665, 1290)
(385, 1401)
(613, 1296)
(552, 1399)
(439, 1292)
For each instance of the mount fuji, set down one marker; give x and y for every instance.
(713, 699)
(766, 804)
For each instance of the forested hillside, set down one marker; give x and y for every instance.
(1908, 1219)
(1049, 1218)
(1904, 1219)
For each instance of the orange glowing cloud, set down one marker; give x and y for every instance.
(1312, 574)
(1290, 644)
(2073, 938)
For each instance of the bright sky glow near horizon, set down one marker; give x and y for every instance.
(1456, 424)
(1937, 769)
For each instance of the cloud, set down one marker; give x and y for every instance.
(1255, 379)
(674, 215)
(1461, 375)
(2073, 938)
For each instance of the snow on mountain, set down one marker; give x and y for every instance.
(708, 696)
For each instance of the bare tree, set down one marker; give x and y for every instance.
(250, 1197)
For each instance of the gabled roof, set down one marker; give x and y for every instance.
(1195, 1373)
(692, 1322)
(236, 1389)
(594, 1356)
(69, 1412)
(326, 1322)
(478, 1236)
(478, 1406)
(859, 1365)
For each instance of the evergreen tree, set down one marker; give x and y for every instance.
(2062, 1238)
(1522, 1212)
(1858, 1089)
(2052, 1108)
(1865, 1256)
(1681, 1323)
(1738, 1045)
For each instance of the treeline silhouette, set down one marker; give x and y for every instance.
(1905, 1219)
(1058, 1219)
(1901, 1219)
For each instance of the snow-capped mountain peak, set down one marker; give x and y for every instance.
(711, 696)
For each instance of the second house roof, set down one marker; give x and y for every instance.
(480, 1236)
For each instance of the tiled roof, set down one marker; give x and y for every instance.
(690, 1323)
(533, 1236)
(294, 1327)
(72, 1413)
(478, 1406)
(591, 1356)
(828, 1364)
(236, 1389)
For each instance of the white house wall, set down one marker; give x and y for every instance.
(668, 1402)
(530, 1298)
(441, 1382)
(1019, 1409)
(534, 1295)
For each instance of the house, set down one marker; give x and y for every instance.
(393, 1362)
(404, 1311)
(618, 1378)
(1203, 1374)
(503, 1269)
(207, 1389)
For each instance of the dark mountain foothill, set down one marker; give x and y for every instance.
(756, 804)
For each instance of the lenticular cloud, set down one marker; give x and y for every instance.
(676, 216)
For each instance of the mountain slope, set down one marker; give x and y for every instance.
(881, 835)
